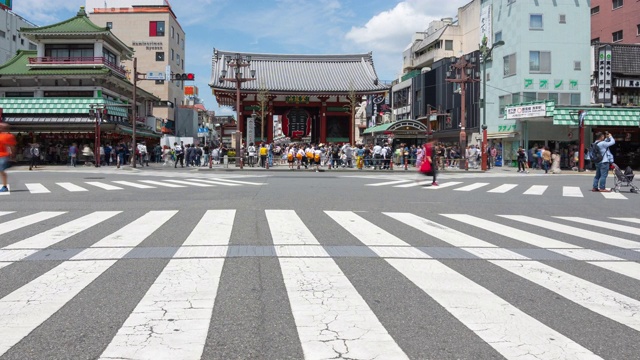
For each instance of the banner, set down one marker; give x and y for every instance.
(485, 24)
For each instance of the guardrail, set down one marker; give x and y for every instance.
(100, 60)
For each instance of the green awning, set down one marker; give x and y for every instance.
(597, 116)
(50, 106)
(377, 128)
(139, 132)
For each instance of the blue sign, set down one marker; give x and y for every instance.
(203, 130)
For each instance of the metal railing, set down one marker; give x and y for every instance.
(100, 60)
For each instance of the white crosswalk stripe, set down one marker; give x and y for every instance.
(443, 185)
(37, 188)
(472, 187)
(536, 190)
(394, 182)
(159, 183)
(572, 191)
(613, 196)
(134, 185)
(503, 188)
(104, 186)
(190, 183)
(333, 316)
(71, 187)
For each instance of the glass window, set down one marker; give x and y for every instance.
(563, 19)
(543, 96)
(638, 30)
(617, 36)
(109, 25)
(577, 65)
(3, 34)
(160, 56)
(497, 36)
(565, 99)
(553, 97)
(535, 22)
(509, 65)
(504, 101)
(575, 99)
(173, 55)
(540, 62)
(595, 40)
(595, 10)
(109, 56)
(618, 3)
(528, 97)
(515, 98)
(173, 32)
(33, 46)
(448, 44)
(156, 28)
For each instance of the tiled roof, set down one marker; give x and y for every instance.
(65, 106)
(598, 116)
(18, 66)
(78, 24)
(301, 73)
(625, 58)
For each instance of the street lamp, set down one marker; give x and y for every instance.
(486, 53)
(237, 63)
(461, 72)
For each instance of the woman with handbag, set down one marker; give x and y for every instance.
(428, 167)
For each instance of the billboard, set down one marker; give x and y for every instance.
(6, 4)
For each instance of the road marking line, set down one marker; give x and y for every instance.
(365, 231)
(3, 213)
(190, 183)
(331, 317)
(104, 186)
(574, 231)
(388, 183)
(613, 196)
(504, 327)
(471, 187)
(161, 184)
(627, 268)
(448, 235)
(587, 255)
(513, 233)
(596, 298)
(28, 307)
(414, 183)
(214, 228)
(28, 220)
(444, 185)
(173, 316)
(571, 191)
(238, 181)
(132, 184)
(503, 188)
(602, 224)
(53, 236)
(536, 190)
(288, 229)
(214, 182)
(631, 220)
(71, 187)
(37, 188)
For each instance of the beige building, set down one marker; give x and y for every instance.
(444, 38)
(158, 40)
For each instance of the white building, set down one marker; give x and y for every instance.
(10, 39)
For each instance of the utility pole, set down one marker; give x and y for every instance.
(486, 54)
(134, 111)
(462, 72)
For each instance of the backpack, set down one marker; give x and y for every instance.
(595, 154)
(35, 151)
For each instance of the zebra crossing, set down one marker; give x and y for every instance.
(333, 316)
(528, 190)
(119, 185)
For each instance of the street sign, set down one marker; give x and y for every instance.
(155, 75)
(251, 130)
(167, 72)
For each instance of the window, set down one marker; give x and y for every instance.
(575, 99)
(504, 101)
(160, 56)
(68, 50)
(535, 22)
(448, 44)
(515, 98)
(617, 4)
(563, 19)
(564, 99)
(509, 65)
(14, 38)
(109, 56)
(497, 37)
(540, 62)
(110, 25)
(178, 59)
(182, 64)
(595, 10)
(173, 32)
(156, 28)
(19, 94)
(553, 97)
(617, 36)
(33, 46)
(173, 55)
(638, 30)
(543, 96)
(3, 34)
(595, 40)
(528, 97)
(21, 41)
(577, 65)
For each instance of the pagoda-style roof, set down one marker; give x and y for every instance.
(77, 26)
(317, 74)
(18, 66)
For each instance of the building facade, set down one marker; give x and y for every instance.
(11, 40)
(48, 94)
(151, 28)
(615, 21)
(536, 63)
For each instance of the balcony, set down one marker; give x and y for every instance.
(76, 62)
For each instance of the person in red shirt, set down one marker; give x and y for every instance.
(7, 143)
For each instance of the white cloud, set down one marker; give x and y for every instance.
(44, 13)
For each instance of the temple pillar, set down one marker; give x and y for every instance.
(323, 122)
(269, 123)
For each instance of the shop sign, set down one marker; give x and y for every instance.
(297, 99)
(149, 45)
(633, 83)
(486, 30)
(506, 128)
(408, 132)
(526, 111)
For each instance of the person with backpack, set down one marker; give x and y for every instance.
(601, 157)
(34, 152)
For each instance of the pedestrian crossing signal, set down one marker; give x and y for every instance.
(184, 77)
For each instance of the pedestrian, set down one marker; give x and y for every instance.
(601, 157)
(522, 159)
(252, 154)
(87, 155)
(545, 155)
(107, 154)
(34, 153)
(264, 152)
(7, 147)
(73, 154)
(179, 155)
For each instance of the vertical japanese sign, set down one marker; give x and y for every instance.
(604, 75)
(251, 130)
(485, 24)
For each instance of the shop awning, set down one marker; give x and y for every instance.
(377, 128)
(139, 132)
(501, 135)
(598, 116)
(399, 125)
(56, 106)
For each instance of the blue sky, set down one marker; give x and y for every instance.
(383, 27)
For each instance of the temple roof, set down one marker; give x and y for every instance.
(301, 73)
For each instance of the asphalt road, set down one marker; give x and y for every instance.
(186, 264)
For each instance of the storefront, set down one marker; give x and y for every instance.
(410, 132)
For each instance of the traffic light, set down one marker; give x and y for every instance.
(184, 77)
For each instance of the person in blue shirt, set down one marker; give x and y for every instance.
(603, 142)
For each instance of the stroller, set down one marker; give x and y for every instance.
(623, 179)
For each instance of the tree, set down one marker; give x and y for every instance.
(350, 107)
(263, 97)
